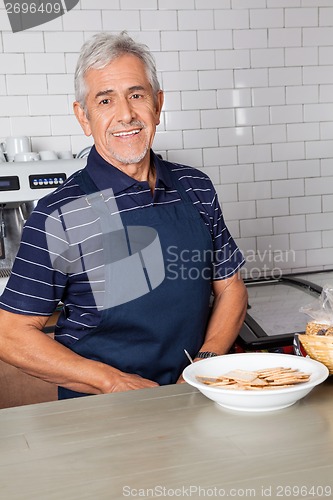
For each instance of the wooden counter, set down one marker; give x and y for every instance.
(166, 442)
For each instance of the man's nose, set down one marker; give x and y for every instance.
(125, 112)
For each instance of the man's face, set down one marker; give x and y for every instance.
(121, 112)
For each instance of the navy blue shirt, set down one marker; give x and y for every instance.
(50, 268)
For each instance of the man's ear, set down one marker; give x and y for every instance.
(82, 118)
(159, 105)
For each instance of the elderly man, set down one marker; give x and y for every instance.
(132, 246)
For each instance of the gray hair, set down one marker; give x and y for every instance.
(103, 48)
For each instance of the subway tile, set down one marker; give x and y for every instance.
(178, 40)
(192, 157)
(163, 140)
(179, 80)
(288, 151)
(235, 135)
(99, 4)
(195, 20)
(252, 116)
(26, 84)
(70, 41)
(322, 255)
(318, 112)
(267, 58)
(179, 120)
(303, 168)
(248, 4)
(219, 79)
(301, 94)
(167, 61)
(87, 20)
(254, 154)
(65, 125)
(272, 248)
(31, 125)
(265, 134)
(328, 204)
(227, 193)
(306, 240)
(325, 55)
(234, 98)
(256, 227)
(133, 4)
(325, 93)
(24, 41)
(254, 190)
(214, 39)
(285, 76)
(270, 171)
(322, 222)
(212, 172)
(302, 131)
(326, 167)
(150, 38)
(56, 84)
(301, 17)
(251, 78)
(289, 224)
(272, 207)
(172, 101)
(54, 143)
(231, 19)
(314, 37)
(327, 240)
(292, 113)
(197, 60)
(301, 56)
(12, 63)
(319, 186)
(5, 127)
(266, 18)
(45, 63)
(268, 96)
(14, 105)
(201, 138)
(48, 105)
(199, 99)
(165, 20)
(232, 59)
(287, 188)
(283, 3)
(174, 4)
(241, 210)
(220, 156)
(250, 39)
(284, 37)
(217, 118)
(325, 16)
(317, 74)
(319, 149)
(236, 173)
(211, 4)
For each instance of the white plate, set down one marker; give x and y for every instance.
(255, 401)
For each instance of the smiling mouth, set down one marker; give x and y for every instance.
(126, 134)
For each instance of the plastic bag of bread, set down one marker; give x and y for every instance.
(321, 312)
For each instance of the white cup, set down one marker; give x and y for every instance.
(14, 145)
(30, 156)
(48, 155)
(65, 155)
(2, 157)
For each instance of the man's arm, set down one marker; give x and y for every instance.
(24, 345)
(228, 313)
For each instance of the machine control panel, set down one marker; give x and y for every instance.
(9, 183)
(40, 181)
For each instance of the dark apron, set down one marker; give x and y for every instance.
(147, 336)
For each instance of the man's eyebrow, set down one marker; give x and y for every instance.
(103, 93)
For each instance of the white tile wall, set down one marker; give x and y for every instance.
(249, 100)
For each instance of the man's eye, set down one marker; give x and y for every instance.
(105, 101)
(136, 96)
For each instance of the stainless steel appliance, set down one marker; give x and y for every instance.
(22, 184)
(273, 315)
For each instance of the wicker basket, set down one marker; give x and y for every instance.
(319, 347)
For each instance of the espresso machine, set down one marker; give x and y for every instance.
(22, 184)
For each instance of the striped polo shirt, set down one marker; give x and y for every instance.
(62, 241)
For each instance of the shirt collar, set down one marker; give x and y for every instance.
(106, 176)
